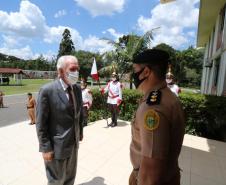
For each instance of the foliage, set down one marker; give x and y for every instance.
(66, 46)
(40, 63)
(95, 115)
(126, 48)
(127, 108)
(109, 64)
(205, 115)
(85, 59)
(186, 65)
(176, 65)
(99, 106)
(130, 103)
(193, 61)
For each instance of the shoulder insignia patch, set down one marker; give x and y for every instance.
(151, 120)
(154, 98)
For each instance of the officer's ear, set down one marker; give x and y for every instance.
(147, 71)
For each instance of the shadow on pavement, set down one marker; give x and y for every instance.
(95, 181)
(120, 124)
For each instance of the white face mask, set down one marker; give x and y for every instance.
(169, 81)
(73, 77)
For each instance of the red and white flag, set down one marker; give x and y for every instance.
(94, 72)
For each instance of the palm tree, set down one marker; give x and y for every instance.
(126, 48)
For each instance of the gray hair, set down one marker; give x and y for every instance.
(62, 60)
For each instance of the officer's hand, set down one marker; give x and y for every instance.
(48, 156)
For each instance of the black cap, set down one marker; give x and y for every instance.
(29, 94)
(152, 56)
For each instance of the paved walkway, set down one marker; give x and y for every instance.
(104, 157)
(14, 110)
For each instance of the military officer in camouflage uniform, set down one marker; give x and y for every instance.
(158, 126)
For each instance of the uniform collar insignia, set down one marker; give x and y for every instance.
(154, 98)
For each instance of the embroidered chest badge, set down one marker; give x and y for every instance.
(154, 98)
(151, 120)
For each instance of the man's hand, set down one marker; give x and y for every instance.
(89, 105)
(119, 101)
(48, 156)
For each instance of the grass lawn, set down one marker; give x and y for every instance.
(28, 85)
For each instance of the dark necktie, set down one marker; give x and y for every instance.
(69, 90)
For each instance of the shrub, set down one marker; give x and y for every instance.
(127, 108)
(205, 115)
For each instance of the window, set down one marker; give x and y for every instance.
(216, 72)
(221, 27)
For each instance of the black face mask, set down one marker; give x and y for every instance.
(136, 79)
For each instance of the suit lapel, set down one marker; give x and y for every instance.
(64, 99)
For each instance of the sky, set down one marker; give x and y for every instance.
(29, 28)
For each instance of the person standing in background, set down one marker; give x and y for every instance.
(171, 82)
(114, 89)
(87, 99)
(31, 104)
(1, 99)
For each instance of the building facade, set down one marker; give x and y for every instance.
(40, 74)
(212, 36)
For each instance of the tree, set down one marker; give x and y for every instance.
(126, 48)
(186, 64)
(176, 62)
(66, 45)
(109, 64)
(39, 63)
(85, 59)
(193, 61)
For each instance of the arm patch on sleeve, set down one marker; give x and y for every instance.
(151, 120)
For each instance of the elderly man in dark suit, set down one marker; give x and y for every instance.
(60, 123)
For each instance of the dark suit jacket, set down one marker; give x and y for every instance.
(58, 128)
